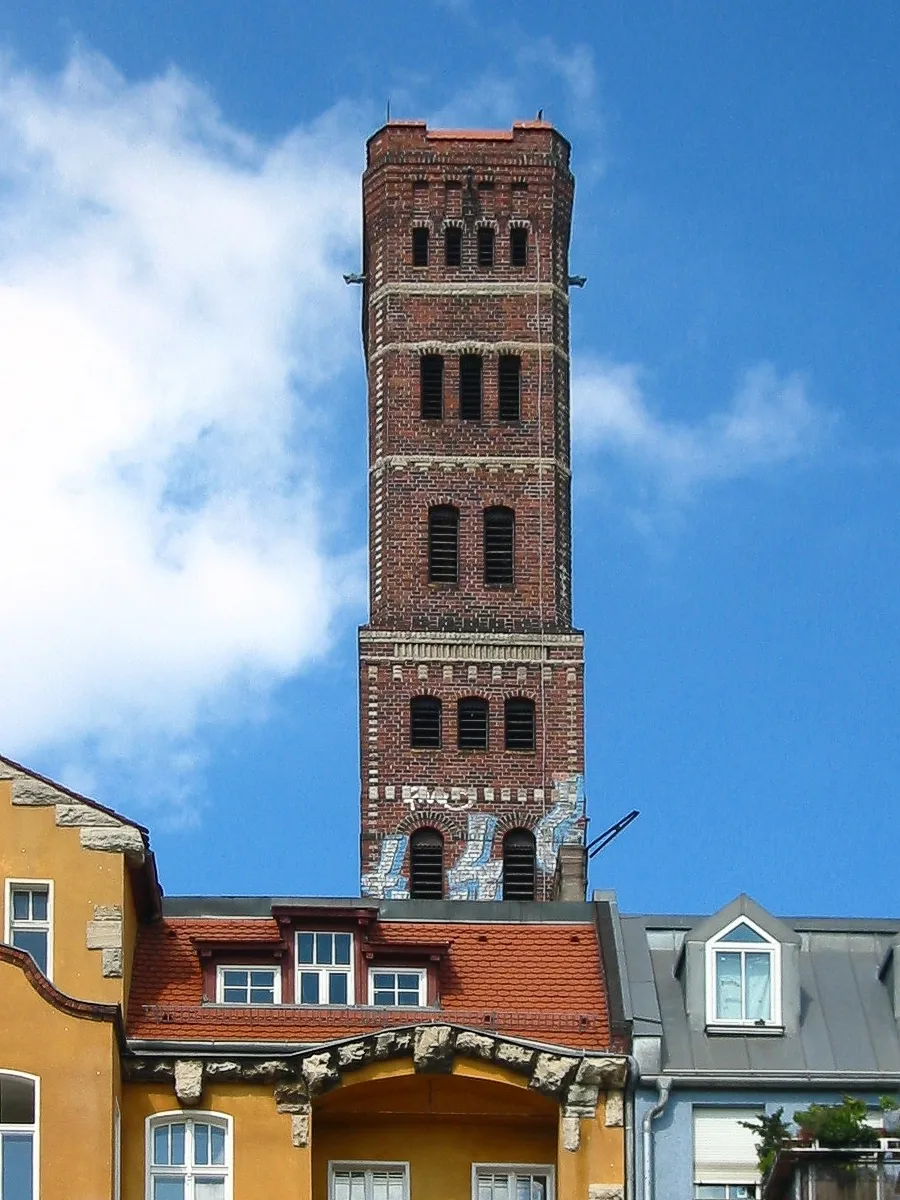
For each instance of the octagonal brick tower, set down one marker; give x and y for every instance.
(471, 675)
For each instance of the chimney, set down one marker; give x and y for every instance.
(570, 881)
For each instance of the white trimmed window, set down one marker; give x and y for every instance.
(189, 1158)
(368, 1181)
(725, 1156)
(29, 919)
(402, 988)
(325, 968)
(248, 985)
(18, 1137)
(511, 1181)
(743, 976)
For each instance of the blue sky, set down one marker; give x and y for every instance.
(184, 410)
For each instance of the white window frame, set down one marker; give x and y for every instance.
(10, 923)
(769, 946)
(420, 972)
(34, 1129)
(732, 1190)
(515, 1169)
(366, 1165)
(220, 984)
(204, 1117)
(325, 970)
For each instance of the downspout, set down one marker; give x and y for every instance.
(664, 1086)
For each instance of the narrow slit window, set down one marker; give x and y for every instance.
(499, 547)
(453, 246)
(431, 387)
(425, 723)
(485, 246)
(443, 544)
(420, 246)
(518, 713)
(472, 724)
(519, 865)
(470, 387)
(509, 387)
(426, 865)
(518, 246)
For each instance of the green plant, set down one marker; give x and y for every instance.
(888, 1103)
(836, 1125)
(772, 1131)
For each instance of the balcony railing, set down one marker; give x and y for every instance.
(850, 1173)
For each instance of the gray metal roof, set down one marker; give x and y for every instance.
(846, 1025)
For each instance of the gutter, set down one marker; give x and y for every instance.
(779, 1079)
(664, 1088)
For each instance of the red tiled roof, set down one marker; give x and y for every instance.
(541, 981)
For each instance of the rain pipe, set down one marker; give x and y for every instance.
(664, 1086)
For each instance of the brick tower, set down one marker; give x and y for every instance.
(471, 675)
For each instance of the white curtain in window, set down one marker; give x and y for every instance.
(728, 986)
(758, 969)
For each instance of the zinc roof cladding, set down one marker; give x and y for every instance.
(847, 1023)
(537, 974)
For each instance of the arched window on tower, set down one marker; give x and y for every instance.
(425, 723)
(518, 733)
(519, 865)
(426, 865)
(472, 723)
(499, 546)
(443, 544)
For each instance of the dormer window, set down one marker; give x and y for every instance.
(324, 968)
(743, 977)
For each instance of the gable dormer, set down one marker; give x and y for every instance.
(740, 972)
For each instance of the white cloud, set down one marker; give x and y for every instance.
(170, 297)
(769, 420)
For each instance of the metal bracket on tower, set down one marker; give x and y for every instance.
(571, 280)
(603, 839)
(353, 277)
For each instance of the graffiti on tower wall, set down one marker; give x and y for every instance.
(387, 881)
(476, 874)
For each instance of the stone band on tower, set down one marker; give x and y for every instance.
(471, 675)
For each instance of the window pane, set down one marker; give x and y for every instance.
(16, 1100)
(408, 997)
(759, 992)
(161, 1145)
(21, 905)
(176, 1145)
(408, 981)
(201, 1145)
(383, 998)
(382, 979)
(342, 949)
(262, 979)
(235, 978)
(309, 988)
(323, 949)
(742, 933)
(35, 942)
(217, 1136)
(166, 1188)
(235, 996)
(728, 986)
(262, 995)
(305, 948)
(337, 988)
(209, 1189)
(38, 906)
(16, 1178)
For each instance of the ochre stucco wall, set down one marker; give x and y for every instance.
(76, 1062)
(33, 846)
(266, 1165)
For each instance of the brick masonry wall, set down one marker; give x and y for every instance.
(468, 639)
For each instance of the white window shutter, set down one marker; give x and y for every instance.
(724, 1151)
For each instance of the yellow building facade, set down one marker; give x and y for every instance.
(126, 1074)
